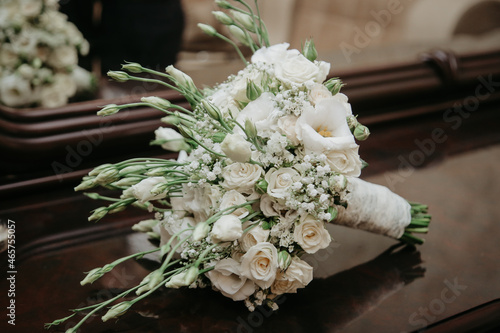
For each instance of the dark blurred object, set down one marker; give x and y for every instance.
(145, 31)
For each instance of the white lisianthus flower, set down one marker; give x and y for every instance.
(241, 177)
(342, 98)
(225, 102)
(175, 141)
(15, 91)
(226, 229)
(268, 205)
(65, 84)
(260, 264)
(173, 225)
(298, 275)
(311, 234)
(8, 57)
(324, 130)
(227, 278)
(63, 56)
(142, 190)
(280, 180)
(236, 148)
(253, 237)
(239, 84)
(50, 96)
(290, 65)
(233, 198)
(200, 201)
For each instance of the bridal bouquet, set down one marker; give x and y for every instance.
(266, 160)
(39, 55)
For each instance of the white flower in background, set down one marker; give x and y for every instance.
(82, 78)
(30, 8)
(233, 198)
(8, 57)
(226, 229)
(227, 278)
(63, 56)
(65, 84)
(298, 275)
(142, 190)
(260, 264)
(253, 237)
(15, 91)
(311, 234)
(236, 148)
(280, 180)
(50, 96)
(241, 177)
(175, 141)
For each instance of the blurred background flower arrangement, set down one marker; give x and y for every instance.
(39, 51)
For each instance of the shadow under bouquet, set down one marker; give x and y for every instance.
(266, 160)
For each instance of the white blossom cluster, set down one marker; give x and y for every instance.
(39, 55)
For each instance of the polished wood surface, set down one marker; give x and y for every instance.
(363, 282)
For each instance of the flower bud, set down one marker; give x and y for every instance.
(98, 213)
(309, 50)
(236, 148)
(132, 67)
(98, 169)
(108, 110)
(284, 260)
(244, 19)
(145, 226)
(261, 186)
(171, 120)
(250, 129)
(181, 78)
(334, 85)
(185, 131)
(119, 76)
(361, 132)
(152, 280)
(223, 18)
(212, 110)
(128, 181)
(157, 101)
(200, 232)
(137, 169)
(209, 30)
(239, 35)
(107, 176)
(253, 91)
(352, 122)
(92, 276)
(117, 310)
(183, 279)
(86, 184)
(223, 4)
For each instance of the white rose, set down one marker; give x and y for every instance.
(15, 91)
(286, 125)
(253, 237)
(260, 264)
(318, 92)
(280, 180)
(142, 190)
(233, 198)
(262, 113)
(297, 275)
(227, 278)
(236, 148)
(291, 66)
(241, 176)
(346, 161)
(63, 56)
(226, 229)
(175, 141)
(311, 234)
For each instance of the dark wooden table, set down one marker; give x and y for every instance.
(363, 282)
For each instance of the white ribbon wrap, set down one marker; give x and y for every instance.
(374, 208)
